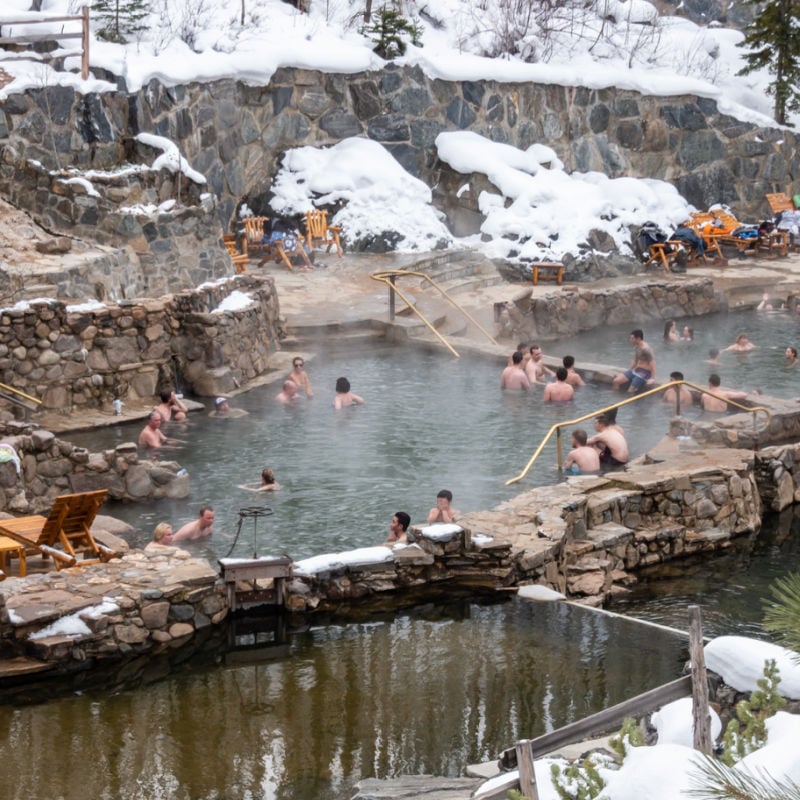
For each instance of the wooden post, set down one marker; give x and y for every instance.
(85, 42)
(527, 776)
(559, 451)
(700, 714)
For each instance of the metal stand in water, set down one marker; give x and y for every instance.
(255, 513)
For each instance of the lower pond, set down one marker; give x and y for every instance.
(424, 692)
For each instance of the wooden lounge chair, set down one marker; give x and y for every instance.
(780, 201)
(319, 232)
(64, 533)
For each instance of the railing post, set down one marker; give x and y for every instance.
(392, 278)
(700, 714)
(559, 453)
(678, 399)
(85, 42)
(527, 774)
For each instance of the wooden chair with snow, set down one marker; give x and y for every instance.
(65, 533)
(319, 232)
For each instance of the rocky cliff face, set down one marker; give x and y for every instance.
(235, 134)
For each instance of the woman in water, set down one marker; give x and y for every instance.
(344, 397)
(268, 482)
(791, 356)
(671, 331)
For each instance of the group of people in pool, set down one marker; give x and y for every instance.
(442, 513)
(526, 368)
(298, 384)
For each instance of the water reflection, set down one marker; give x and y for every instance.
(425, 692)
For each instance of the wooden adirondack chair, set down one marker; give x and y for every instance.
(319, 232)
(64, 533)
(240, 260)
(779, 201)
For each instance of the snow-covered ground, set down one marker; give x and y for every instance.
(596, 44)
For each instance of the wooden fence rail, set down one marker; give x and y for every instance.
(28, 38)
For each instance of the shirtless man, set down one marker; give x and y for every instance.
(741, 345)
(609, 442)
(514, 377)
(151, 435)
(672, 395)
(171, 408)
(535, 369)
(300, 377)
(344, 397)
(643, 366)
(198, 528)
(582, 459)
(573, 379)
(398, 527)
(710, 403)
(559, 391)
(288, 395)
(443, 512)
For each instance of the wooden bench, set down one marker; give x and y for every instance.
(10, 548)
(547, 271)
(240, 260)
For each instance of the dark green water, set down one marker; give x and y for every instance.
(424, 692)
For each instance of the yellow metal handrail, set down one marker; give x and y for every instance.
(387, 276)
(12, 390)
(649, 393)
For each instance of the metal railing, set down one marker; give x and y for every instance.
(389, 278)
(19, 398)
(641, 396)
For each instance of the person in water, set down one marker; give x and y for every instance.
(444, 511)
(344, 397)
(267, 484)
(582, 459)
(398, 528)
(300, 377)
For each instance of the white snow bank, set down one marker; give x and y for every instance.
(379, 195)
(235, 301)
(675, 724)
(73, 624)
(330, 561)
(740, 662)
(780, 757)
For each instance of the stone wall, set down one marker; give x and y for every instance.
(142, 604)
(567, 312)
(50, 467)
(163, 231)
(75, 360)
(235, 134)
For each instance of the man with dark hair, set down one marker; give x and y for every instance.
(559, 391)
(672, 395)
(573, 379)
(443, 511)
(643, 366)
(514, 376)
(710, 403)
(198, 528)
(398, 527)
(610, 443)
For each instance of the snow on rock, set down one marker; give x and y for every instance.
(379, 196)
(441, 531)
(675, 724)
(740, 662)
(170, 157)
(780, 757)
(235, 301)
(661, 772)
(330, 561)
(538, 592)
(543, 212)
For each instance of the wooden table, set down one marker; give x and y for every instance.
(548, 271)
(8, 547)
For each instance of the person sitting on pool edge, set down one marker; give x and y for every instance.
(609, 442)
(398, 527)
(582, 459)
(344, 397)
(267, 484)
(642, 370)
(443, 512)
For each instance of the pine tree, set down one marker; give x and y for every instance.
(773, 41)
(120, 19)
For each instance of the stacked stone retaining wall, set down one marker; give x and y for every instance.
(50, 467)
(235, 134)
(79, 358)
(165, 227)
